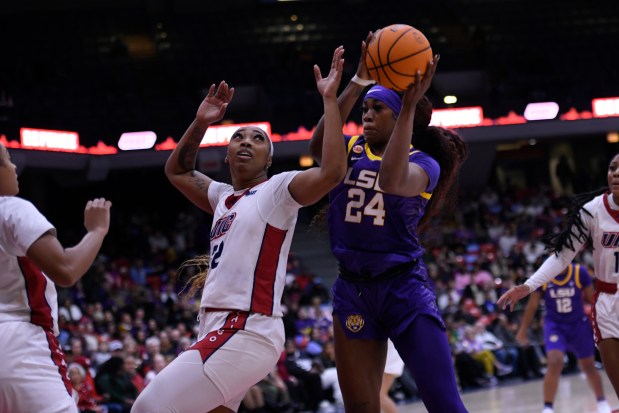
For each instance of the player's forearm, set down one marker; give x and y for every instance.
(394, 168)
(345, 102)
(553, 266)
(333, 167)
(184, 156)
(529, 313)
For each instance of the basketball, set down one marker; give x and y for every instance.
(395, 54)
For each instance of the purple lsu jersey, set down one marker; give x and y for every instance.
(372, 231)
(563, 295)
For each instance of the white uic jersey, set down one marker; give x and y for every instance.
(604, 228)
(250, 240)
(26, 294)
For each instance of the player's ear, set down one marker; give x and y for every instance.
(226, 159)
(269, 162)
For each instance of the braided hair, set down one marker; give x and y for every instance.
(574, 226)
(200, 266)
(448, 149)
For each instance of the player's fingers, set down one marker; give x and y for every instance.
(317, 74)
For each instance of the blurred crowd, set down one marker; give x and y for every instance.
(130, 315)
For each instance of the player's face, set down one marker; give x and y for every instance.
(378, 122)
(613, 177)
(249, 150)
(8, 174)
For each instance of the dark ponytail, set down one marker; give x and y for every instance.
(448, 149)
(574, 227)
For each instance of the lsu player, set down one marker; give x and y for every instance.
(566, 327)
(593, 221)
(241, 332)
(399, 173)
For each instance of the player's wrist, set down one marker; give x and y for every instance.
(362, 82)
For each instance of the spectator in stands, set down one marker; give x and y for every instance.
(383, 290)
(254, 219)
(33, 261)
(524, 359)
(300, 365)
(87, 401)
(159, 362)
(115, 385)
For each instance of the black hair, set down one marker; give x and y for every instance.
(574, 227)
(448, 149)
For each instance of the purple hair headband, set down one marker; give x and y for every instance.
(387, 96)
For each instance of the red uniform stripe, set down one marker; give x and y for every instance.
(59, 360)
(597, 335)
(40, 311)
(263, 293)
(41, 314)
(216, 339)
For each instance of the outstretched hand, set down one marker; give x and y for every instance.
(421, 85)
(214, 105)
(362, 68)
(512, 296)
(97, 215)
(328, 86)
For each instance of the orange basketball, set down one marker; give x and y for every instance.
(395, 54)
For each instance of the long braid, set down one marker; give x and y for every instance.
(200, 265)
(448, 149)
(574, 226)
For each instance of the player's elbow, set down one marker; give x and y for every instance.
(334, 175)
(389, 184)
(63, 277)
(63, 272)
(316, 151)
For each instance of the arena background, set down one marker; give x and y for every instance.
(101, 68)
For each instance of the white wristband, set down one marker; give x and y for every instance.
(362, 82)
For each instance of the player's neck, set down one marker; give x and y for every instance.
(239, 184)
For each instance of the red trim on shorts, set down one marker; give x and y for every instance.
(36, 283)
(216, 339)
(597, 334)
(59, 360)
(604, 287)
(263, 294)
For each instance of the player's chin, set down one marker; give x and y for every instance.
(373, 138)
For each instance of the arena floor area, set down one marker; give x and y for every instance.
(574, 396)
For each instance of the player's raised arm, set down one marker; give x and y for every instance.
(311, 185)
(397, 175)
(346, 101)
(180, 167)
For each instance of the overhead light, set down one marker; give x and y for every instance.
(604, 107)
(306, 161)
(459, 117)
(612, 137)
(541, 111)
(131, 141)
(450, 99)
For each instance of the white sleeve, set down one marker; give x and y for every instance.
(277, 206)
(556, 264)
(215, 191)
(22, 225)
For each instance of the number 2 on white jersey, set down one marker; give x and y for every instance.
(355, 209)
